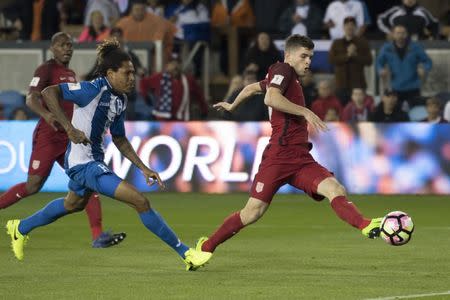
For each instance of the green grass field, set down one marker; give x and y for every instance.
(299, 250)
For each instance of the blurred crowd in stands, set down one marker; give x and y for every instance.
(401, 64)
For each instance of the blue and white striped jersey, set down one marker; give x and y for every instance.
(97, 108)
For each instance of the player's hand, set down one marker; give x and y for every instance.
(316, 123)
(152, 177)
(77, 136)
(51, 120)
(223, 106)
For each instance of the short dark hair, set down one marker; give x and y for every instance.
(297, 41)
(350, 20)
(110, 56)
(55, 38)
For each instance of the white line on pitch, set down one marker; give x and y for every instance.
(411, 296)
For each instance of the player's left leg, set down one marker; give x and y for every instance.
(318, 182)
(19, 229)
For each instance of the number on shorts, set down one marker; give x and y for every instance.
(103, 167)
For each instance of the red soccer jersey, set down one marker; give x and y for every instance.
(51, 73)
(287, 129)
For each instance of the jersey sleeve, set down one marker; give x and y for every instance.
(263, 85)
(41, 78)
(80, 93)
(117, 127)
(280, 76)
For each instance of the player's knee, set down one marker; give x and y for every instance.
(74, 205)
(141, 203)
(33, 187)
(339, 190)
(250, 216)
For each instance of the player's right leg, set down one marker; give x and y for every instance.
(19, 229)
(266, 183)
(41, 162)
(22, 190)
(127, 193)
(252, 212)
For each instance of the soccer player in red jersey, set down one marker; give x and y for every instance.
(50, 140)
(286, 159)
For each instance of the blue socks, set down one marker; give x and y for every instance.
(151, 219)
(156, 224)
(50, 213)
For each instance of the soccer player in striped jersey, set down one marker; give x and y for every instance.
(50, 140)
(100, 105)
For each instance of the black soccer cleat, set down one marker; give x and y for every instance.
(108, 239)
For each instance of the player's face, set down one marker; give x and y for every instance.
(123, 80)
(300, 59)
(62, 49)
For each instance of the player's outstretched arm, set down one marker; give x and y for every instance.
(276, 100)
(51, 96)
(127, 150)
(248, 91)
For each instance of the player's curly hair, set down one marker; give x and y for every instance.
(110, 56)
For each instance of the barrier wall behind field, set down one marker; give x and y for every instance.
(19, 60)
(221, 157)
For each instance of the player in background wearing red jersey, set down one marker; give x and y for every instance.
(286, 159)
(50, 140)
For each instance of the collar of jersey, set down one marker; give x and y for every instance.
(110, 88)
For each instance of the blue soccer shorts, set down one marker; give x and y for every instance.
(93, 176)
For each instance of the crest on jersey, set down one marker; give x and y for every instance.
(35, 81)
(259, 187)
(35, 164)
(74, 86)
(277, 79)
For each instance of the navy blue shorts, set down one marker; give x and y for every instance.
(93, 176)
